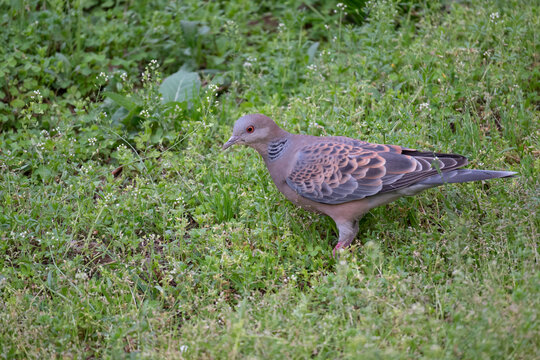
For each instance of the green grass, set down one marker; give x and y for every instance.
(125, 231)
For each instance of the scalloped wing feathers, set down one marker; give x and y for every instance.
(338, 170)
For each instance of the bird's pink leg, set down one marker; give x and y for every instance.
(338, 247)
(347, 233)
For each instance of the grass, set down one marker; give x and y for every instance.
(127, 233)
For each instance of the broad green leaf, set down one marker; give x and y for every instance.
(66, 63)
(121, 100)
(44, 172)
(181, 86)
(189, 28)
(311, 51)
(119, 115)
(17, 103)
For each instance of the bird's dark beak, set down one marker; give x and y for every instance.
(233, 140)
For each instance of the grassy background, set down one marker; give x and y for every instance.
(136, 237)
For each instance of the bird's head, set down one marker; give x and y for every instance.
(254, 130)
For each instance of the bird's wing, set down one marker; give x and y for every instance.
(338, 170)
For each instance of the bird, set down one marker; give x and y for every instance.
(344, 178)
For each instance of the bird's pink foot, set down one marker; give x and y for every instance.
(339, 246)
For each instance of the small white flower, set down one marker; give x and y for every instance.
(123, 76)
(494, 16)
(103, 76)
(144, 113)
(249, 61)
(86, 169)
(424, 106)
(36, 94)
(146, 74)
(312, 67)
(92, 141)
(183, 348)
(81, 276)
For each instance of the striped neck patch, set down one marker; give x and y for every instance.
(276, 149)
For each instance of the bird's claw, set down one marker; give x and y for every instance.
(338, 247)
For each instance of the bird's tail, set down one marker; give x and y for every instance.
(464, 175)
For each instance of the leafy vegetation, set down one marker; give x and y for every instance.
(127, 233)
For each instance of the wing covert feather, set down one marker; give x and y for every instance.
(338, 169)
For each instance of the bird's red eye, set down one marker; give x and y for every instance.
(250, 129)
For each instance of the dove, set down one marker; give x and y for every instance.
(344, 178)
